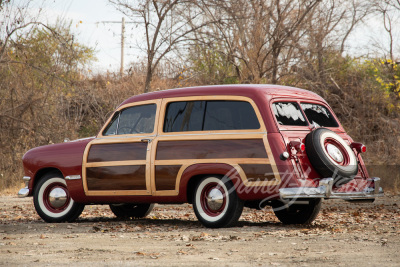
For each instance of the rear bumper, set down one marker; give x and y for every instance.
(324, 190)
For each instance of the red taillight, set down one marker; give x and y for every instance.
(298, 146)
(360, 148)
(302, 147)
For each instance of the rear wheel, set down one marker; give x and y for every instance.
(131, 210)
(52, 200)
(216, 203)
(297, 213)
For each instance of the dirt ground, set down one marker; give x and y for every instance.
(344, 234)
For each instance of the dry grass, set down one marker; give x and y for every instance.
(83, 109)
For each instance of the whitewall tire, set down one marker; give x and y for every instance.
(216, 203)
(52, 200)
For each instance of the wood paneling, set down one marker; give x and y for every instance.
(211, 149)
(166, 176)
(258, 172)
(116, 178)
(117, 152)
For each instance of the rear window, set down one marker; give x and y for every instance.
(211, 115)
(318, 115)
(289, 113)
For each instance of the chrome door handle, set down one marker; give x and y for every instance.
(146, 140)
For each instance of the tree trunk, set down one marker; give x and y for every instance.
(149, 77)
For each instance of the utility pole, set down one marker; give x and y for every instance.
(121, 70)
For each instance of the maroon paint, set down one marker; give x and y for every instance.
(66, 157)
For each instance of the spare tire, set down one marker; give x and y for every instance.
(331, 156)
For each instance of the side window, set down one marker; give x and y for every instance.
(230, 115)
(133, 120)
(112, 127)
(210, 116)
(319, 115)
(288, 113)
(184, 116)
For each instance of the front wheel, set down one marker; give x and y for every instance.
(52, 200)
(297, 213)
(131, 210)
(216, 203)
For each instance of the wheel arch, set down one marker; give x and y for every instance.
(194, 173)
(40, 173)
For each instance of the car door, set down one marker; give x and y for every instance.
(118, 161)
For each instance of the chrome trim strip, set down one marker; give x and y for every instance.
(82, 139)
(73, 177)
(325, 191)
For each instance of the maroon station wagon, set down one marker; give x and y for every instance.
(220, 148)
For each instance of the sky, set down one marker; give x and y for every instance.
(87, 17)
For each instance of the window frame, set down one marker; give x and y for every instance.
(157, 102)
(166, 101)
(299, 101)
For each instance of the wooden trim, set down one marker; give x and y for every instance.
(236, 166)
(115, 163)
(114, 139)
(211, 136)
(117, 193)
(152, 166)
(219, 160)
(272, 160)
(158, 105)
(146, 162)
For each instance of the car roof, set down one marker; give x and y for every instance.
(249, 90)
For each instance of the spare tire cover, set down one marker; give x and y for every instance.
(331, 156)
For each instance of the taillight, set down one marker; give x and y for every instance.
(302, 147)
(299, 146)
(359, 147)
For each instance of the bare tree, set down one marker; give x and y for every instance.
(168, 25)
(326, 35)
(258, 35)
(389, 11)
(15, 17)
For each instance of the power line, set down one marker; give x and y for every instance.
(122, 40)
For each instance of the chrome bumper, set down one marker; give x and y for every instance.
(324, 190)
(24, 192)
